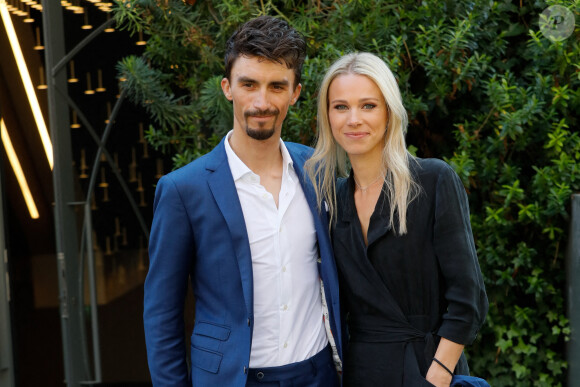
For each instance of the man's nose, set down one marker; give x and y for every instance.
(262, 100)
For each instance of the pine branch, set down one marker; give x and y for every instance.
(148, 87)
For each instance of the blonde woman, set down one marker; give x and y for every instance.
(411, 286)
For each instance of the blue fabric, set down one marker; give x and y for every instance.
(199, 233)
(468, 381)
(318, 371)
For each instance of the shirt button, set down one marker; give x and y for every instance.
(284, 269)
(285, 307)
(265, 196)
(286, 345)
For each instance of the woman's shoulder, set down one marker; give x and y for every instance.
(428, 166)
(431, 174)
(430, 169)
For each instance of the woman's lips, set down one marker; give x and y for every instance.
(355, 135)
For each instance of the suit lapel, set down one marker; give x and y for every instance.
(327, 266)
(309, 192)
(223, 188)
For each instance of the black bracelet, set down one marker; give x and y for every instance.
(443, 365)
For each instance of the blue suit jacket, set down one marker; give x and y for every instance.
(199, 232)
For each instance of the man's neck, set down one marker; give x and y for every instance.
(261, 156)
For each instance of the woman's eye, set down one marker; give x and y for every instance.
(369, 106)
(340, 107)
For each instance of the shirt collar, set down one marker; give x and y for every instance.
(239, 169)
(286, 160)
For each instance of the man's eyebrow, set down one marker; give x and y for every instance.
(280, 83)
(244, 79)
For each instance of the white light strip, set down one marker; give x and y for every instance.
(34, 105)
(13, 158)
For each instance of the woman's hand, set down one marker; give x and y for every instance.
(437, 376)
(448, 354)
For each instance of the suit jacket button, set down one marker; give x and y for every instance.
(248, 322)
(245, 370)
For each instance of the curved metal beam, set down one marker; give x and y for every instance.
(110, 160)
(60, 65)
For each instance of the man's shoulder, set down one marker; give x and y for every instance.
(198, 167)
(299, 151)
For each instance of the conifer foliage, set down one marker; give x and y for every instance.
(486, 88)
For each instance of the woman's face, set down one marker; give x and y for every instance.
(358, 115)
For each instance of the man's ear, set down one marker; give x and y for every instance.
(295, 93)
(226, 88)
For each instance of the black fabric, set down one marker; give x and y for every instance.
(401, 293)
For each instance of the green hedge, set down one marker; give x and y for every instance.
(485, 90)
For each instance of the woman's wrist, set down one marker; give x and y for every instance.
(443, 366)
(437, 376)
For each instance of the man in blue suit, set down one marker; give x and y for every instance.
(243, 225)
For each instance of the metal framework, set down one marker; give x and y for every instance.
(6, 360)
(64, 215)
(71, 259)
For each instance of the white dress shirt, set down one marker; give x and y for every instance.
(288, 324)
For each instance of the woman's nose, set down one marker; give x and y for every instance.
(353, 119)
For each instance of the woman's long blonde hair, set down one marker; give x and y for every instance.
(330, 160)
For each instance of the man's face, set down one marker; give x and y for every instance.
(261, 91)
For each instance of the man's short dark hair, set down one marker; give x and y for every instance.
(270, 38)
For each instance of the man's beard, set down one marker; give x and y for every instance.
(262, 133)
